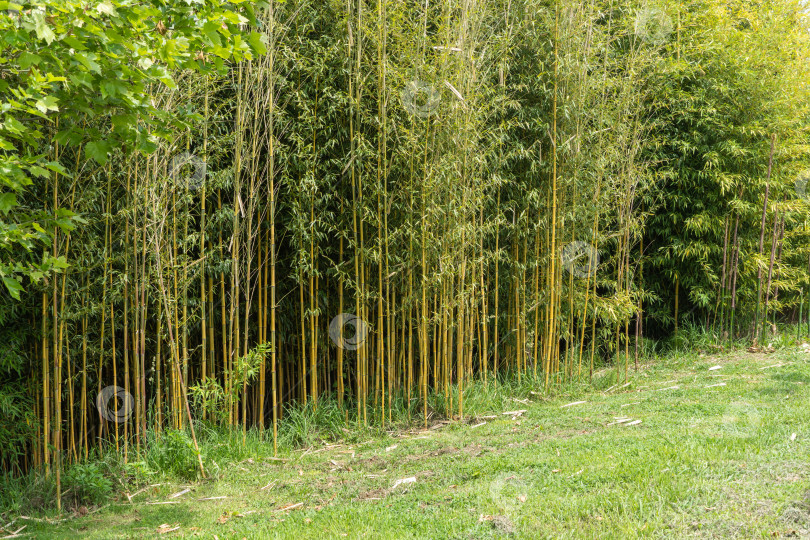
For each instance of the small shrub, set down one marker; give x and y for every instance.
(85, 483)
(174, 454)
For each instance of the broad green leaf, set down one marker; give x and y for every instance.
(98, 151)
(13, 286)
(38, 171)
(57, 168)
(112, 89)
(145, 146)
(74, 43)
(258, 42)
(48, 103)
(28, 59)
(88, 61)
(164, 76)
(211, 30)
(123, 121)
(59, 262)
(107, 8)
(7, 201)
(68, 137)
(41, 27)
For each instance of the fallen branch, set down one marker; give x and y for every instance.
(409, 480)
(179, 493)
(775, 365)
(16, 533)
(289, 507)
(572, 404)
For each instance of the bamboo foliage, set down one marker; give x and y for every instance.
(419, 168)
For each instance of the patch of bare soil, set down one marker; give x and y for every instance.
(440, 452)
(473, 450)
(373, 495)
(374, 463)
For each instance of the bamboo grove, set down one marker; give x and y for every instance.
(431, 175)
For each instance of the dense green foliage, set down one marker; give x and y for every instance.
(89, 68)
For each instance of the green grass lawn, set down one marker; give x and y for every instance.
(681, 452)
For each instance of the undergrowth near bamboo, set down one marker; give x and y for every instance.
(170, 455)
